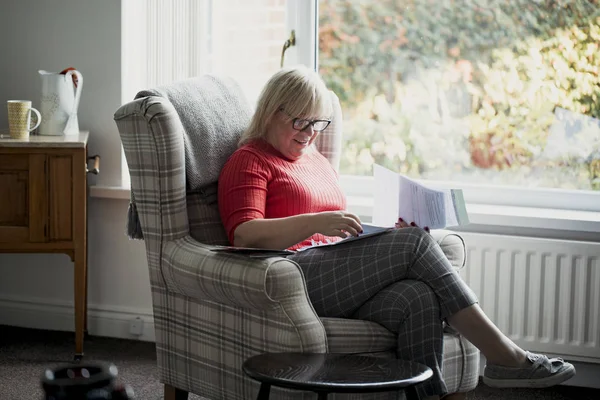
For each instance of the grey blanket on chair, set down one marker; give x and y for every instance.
(214, 112)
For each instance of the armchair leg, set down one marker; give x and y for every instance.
(172, 393)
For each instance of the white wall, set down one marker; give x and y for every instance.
(37, 290)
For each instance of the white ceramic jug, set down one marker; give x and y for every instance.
(60, 100)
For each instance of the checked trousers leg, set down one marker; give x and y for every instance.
(343, 278)
(411, 310)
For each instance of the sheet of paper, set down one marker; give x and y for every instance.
(451, 214)
(386, 196)
(421, 205)
(371, 229)
(396, 195)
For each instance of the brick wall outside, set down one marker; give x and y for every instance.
(248, 36)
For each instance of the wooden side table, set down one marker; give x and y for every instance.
(325, 373)
(43, 208)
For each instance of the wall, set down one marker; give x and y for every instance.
(37, 290)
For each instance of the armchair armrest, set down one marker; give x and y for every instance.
(452, 245)
(190, 268)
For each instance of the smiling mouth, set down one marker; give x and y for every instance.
(301, 142)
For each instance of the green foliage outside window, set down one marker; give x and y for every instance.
(464, 89)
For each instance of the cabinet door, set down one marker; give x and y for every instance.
(60, 185)
(23, 202)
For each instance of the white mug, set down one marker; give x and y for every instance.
(19, 118)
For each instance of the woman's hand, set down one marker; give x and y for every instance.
(337, 223)
(403, 224)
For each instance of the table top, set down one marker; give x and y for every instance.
(63, 141)
(335, 372)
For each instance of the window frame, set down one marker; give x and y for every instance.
(302, 18)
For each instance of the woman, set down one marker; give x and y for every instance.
(278, 191)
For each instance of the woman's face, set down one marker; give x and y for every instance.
(290, 142)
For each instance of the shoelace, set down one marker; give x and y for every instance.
(551, 365)
(540, 361)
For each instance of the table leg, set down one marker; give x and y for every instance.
(80, 248)
(411, 393)
(85, 288)
(264, 392)
(322, 396)
(80, 278)
(85, 245)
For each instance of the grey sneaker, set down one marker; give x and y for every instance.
(541, 373)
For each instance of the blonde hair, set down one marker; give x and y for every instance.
(299, 90)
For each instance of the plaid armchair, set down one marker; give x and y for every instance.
(214, 310)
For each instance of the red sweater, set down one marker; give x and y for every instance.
(259, 182)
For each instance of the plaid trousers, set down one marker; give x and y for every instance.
(401, 280)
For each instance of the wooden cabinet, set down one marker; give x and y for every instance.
(43, 205)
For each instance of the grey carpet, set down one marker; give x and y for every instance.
(26, 353)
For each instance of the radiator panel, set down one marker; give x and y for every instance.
(542, 293)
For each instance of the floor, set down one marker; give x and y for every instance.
(25, 354)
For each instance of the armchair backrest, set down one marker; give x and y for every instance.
(329, 142)
(161, 157)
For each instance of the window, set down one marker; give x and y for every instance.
(179, 39)
(500, 98)
(165, 41)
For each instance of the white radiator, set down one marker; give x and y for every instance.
(544, 294)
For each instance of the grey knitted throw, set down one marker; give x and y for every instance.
(214, 112)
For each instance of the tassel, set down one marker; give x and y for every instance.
(134, 228)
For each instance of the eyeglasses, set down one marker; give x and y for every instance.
(301, 124)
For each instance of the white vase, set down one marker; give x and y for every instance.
(59, 104)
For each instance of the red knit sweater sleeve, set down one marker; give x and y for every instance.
(242, 190)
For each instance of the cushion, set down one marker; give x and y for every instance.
(214, 112)
(204, 218)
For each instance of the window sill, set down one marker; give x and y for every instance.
(510, 216)
(110, 192)
(479, 214)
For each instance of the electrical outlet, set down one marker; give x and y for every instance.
(136, 326)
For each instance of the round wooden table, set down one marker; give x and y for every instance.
(325, 373)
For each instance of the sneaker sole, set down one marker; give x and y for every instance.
(548, 381)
